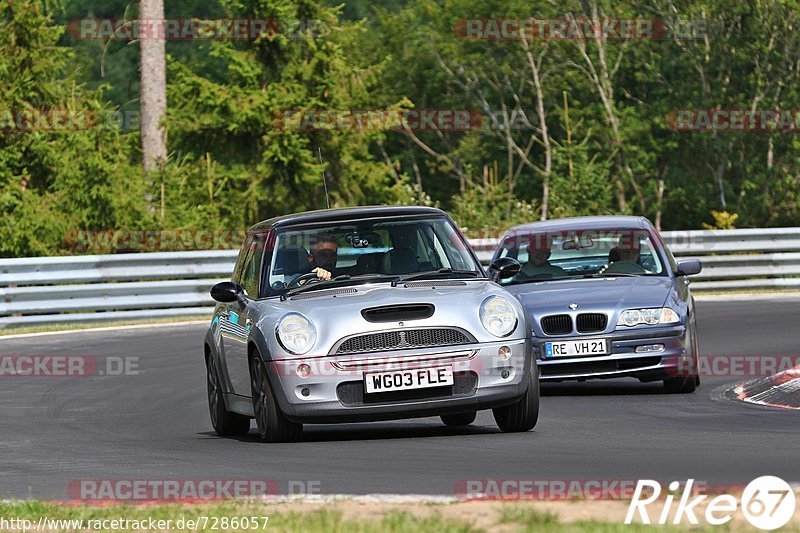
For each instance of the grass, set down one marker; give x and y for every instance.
(340, 517)
(530, 519)
(78, 326)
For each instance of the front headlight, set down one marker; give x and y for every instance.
(296, 333)
(498, 316)
(652, 317)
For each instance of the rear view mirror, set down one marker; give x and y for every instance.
(689, 267)
(227, 292)
(504, 268)
(362, 240)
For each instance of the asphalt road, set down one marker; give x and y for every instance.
(155, 425)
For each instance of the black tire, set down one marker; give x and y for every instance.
(272, 425)
(696, 359)
(524, 413)
(688, 383)
(460, 419)
(680, 385)
(683, 384)
(225, 423)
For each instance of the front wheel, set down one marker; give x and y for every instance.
(524, 413)
(225, 423)
(683, 384)
(690, 380)
(273, 426)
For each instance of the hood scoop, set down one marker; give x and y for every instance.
(395, 313)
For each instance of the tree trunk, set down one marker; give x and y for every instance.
(660, 196)
(153, 96)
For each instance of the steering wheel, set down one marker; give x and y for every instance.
(310, 277)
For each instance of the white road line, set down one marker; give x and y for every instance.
(106, 328)
(746, 297)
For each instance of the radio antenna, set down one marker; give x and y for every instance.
(324, 183)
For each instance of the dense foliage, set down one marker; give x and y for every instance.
(567, 126)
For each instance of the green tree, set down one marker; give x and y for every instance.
(64, 164)
(238, 115)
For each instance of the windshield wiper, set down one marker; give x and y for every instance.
(429, 273)
(327, 283)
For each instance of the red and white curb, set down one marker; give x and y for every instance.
(780, 390)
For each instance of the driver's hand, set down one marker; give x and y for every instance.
(322, 274)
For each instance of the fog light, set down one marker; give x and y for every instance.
(504, 353)
(303, 371)
(304, 391)
(504, 374)
(650, 348)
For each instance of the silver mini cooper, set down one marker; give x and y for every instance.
(361, 314)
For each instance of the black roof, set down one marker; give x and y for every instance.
(583, 223)
(345, 214)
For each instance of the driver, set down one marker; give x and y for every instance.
(538, 265)
(628, 260)
(323, 256)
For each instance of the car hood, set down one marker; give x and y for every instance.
(336, 312)
(606, 295)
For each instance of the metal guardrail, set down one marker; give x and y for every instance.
(103, 288)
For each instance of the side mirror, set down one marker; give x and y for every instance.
(227, 292)
(504, 268)
(689, 267)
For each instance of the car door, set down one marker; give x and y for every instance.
(235, 320)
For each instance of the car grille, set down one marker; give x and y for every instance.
(404, 339)
(596, 367)
(591, 322)
(557, 324)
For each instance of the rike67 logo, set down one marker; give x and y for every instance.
(767, 502)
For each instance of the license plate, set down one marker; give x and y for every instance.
(576, 348)
(419, 378)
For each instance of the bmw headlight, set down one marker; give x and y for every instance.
(498, 316)
(652, 317)
(296, 333)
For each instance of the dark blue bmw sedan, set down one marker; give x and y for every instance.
(606, 299)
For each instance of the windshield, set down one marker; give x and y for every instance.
(369, 249)
(575, 253)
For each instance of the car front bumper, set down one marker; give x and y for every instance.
(334, 389)
(623, 360)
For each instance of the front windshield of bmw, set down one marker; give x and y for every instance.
(378, 249)
(579, 253)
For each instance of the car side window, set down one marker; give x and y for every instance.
(237, 270)
(251, 269)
